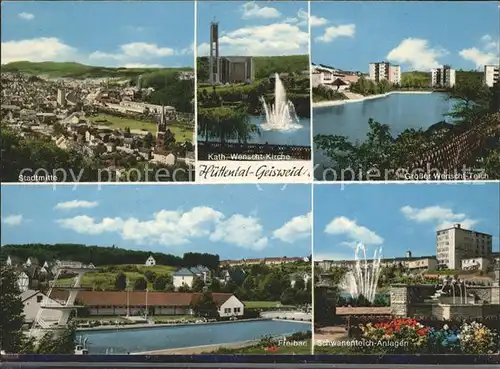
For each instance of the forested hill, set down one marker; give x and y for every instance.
(99, 255)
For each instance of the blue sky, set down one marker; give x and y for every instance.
(261, 28)
(117, 33)
(418, 35)
(237, 221)
(399, 217)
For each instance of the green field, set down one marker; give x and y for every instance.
(106, 280)
(77, 70)
(182, 133)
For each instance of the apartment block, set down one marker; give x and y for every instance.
(491, 73)
(385, 71)
(443, 77)
(456, 244)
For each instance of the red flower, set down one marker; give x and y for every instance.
(272, 348)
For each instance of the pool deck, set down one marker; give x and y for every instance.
(138, 326)
(195, 350)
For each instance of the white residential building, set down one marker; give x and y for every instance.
(491, 73)
(443, 77)
(480, 264)
(428, 264)
(32, 300)
(385, 71)
(456, 244)
(185, 276)
(231, 307)
(23, 281)
(151, 261)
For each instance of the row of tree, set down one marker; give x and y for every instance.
(99, 255)
(259, 283)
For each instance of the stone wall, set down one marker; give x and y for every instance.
(399, 300)
(408, 301)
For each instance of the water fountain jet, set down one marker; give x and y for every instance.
(362, 278)
(281, 116)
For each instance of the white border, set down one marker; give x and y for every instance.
(195, 56)
(331, 183)
(311, 120)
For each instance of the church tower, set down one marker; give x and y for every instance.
(161, 129)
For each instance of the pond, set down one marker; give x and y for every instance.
(400, 111)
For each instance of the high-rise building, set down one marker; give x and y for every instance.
(61, 97)
(491, 73)
(214, 62)
(443, 77)
(385, 71)
(456, 243)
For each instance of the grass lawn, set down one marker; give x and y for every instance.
(106, 280)
(182, 133)
(260, 350)
(98, 317)
(264, 304)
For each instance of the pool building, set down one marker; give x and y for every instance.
(124, 303)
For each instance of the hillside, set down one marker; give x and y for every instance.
(102, 256)
(264, 66)
(77, 70)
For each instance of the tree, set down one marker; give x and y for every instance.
(11, 311)
(198, 284)
(205, 306)
(140, 284)
(184, 288)
(300, 284)
(120, 281)
(62, 343)
(150, 276)
(161, 282)
(288, 297)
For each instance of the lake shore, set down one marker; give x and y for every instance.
(324, 104)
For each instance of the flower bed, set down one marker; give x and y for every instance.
(410, 335)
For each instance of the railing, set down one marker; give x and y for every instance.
(207, 149)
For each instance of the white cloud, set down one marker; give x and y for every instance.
(26, 16)
(141, 65)
(37, 50)
(442, 217)
(317, 21)
(253, 10)
(241, 231)
(266, 40)
(333, 32)
(13, 220)
(486, 53)
(76, 204)
(355, 232)
(296, 228)
(135, 50)
(417, 53)
(53, 49)
(173, 228)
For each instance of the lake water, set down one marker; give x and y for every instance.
(399, 111)
(122, 341)
(299, 137)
